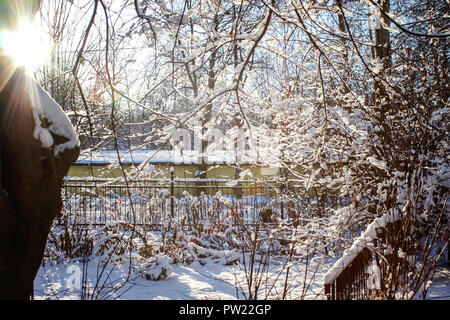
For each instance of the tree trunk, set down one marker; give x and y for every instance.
(31, 182)
(206, 119)
(383, 54)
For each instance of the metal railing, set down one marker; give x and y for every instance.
(154, 202)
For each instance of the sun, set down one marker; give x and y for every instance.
(27, 45)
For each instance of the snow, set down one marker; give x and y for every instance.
(212, 281)
(444, 180)
(174, 157)
(189, 282)
(358, 245)
(57, 122)
(161, 268)
(374, 281)
(440, 286)
(377, 163)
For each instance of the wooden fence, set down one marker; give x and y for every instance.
(353, 281)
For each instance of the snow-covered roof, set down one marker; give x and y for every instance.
(172, 157)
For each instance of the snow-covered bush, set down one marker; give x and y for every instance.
(68, 240)
(158, 268)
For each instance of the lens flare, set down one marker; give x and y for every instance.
(27, 45)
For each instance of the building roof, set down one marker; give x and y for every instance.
(175, 157)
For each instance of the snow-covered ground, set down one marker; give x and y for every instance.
(212, 281)
(440, 287)
(185, 282)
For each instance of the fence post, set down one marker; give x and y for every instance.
(448, 256)
(327, 291)
(287, 199)
(172, 178)
(282, 192)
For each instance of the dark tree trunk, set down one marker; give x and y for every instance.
(383, 53)
(31, 182)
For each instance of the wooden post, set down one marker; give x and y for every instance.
(327, 291)
(448, 256)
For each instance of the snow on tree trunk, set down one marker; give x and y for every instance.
(38, 146)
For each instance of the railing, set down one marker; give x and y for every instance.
(359, 274)
(153, 202)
